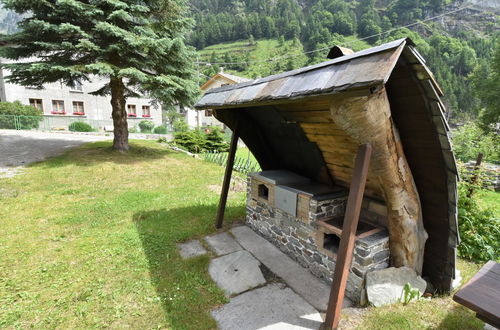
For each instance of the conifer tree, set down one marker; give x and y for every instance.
(137, 46)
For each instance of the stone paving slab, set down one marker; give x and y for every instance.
(236, 272)
(191, 249)
(271, 307)
(308, 286)
(222, 244)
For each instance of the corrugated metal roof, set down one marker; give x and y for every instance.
(368, 67)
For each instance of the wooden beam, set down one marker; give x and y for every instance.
(227, 177)
(348, 238)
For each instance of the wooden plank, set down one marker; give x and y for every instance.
(348, 238)
(482, 294)
(227, 178)
(319, 129)
(344, 142)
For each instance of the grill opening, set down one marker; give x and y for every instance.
(331, 242)
(263, 192)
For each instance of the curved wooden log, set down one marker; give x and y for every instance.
(368, 119)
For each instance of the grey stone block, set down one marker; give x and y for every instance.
(386, 286)
(236, 272)
(222, 244)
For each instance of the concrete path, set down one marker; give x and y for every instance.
(20, 148)
(268, 289)
(271, 307)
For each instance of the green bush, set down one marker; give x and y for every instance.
(469, 140)
(180, 125)
(133, 129)
(160, 130)
(146, 126)
(80, 126)
(193, 140)
(14, 115)
(215, 140)
(196, 141)
(479, 230)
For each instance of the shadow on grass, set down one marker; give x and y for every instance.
(98, 152)
(184, 287)
(460, 317)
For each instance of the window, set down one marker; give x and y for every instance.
(36, 103)
(78, 108)
(146, 111)
(208, 113)
(58, 107)
(131, 110)
(77, 87)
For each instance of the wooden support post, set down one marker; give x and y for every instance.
(348, 237)
(227, 178)
(475, 174)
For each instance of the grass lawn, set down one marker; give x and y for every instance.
(490, 199)
(88, 239)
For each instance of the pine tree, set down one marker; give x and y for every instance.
(137, 46)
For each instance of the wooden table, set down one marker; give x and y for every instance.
(482, 294)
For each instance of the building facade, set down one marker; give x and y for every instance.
(64, 104)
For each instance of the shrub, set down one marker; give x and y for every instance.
(28, 116)
(160, 130)
(193, 140)
(469, 140)
(146, 126)
(215, 140)
(479, 230)
(80, 126)
(180, 125)
(133, 129)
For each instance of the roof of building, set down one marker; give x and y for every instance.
(369, 67)
(230, 78)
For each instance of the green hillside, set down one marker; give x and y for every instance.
(458, 45)
(287, 55)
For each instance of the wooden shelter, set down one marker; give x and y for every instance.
(312, 120)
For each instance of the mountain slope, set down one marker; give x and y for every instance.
(454, 43)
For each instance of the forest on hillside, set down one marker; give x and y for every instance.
(459, 58)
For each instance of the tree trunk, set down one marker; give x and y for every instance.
(120, 141)
(368, 120)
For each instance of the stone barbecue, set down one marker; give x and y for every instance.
(304, 219)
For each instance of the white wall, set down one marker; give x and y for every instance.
(96, 107)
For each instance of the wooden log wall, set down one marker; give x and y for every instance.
(338, 126)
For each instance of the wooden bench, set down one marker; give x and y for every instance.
(482, 294)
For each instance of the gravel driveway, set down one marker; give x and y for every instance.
(20, 148)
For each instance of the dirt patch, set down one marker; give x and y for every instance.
(269, 275)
